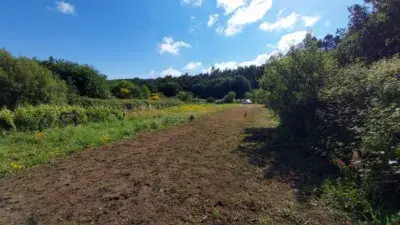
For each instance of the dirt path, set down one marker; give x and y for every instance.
(186, 174)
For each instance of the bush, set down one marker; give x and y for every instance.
(145, 92)
(211, 100)
(6, 120)
(31, 118)
(24, 81)
(129, 104)
(184, 96)
(350, 115)
(230, 97)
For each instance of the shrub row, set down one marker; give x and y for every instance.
(350, 115)
(130, 104)
(31, 118)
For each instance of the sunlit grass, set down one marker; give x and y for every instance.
(23, 150)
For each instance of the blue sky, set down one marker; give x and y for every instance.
(152, 38)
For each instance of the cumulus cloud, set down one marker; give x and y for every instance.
(212, 19)
(196, 3)
(309, 21)
(259, 60)
(248, 14)
(192, 66)
(282, 23)
(172, 47)
(291, 39)
(64, 7)
(230, 6)
(171, 72)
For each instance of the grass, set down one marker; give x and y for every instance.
(22, 150)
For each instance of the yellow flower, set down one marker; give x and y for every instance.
(104, 140)
(16, 166)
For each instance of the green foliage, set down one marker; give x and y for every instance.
(230, 97)
(23, 80)
(293, 83)
(136, 92)
(130, 104)
(184, 96)
(259, 96)
(32, 118)
(349, 114)
(170, 89)
(85, 79)
(122, 89)
(211, 100)
(145, 92)
(6, 120)
(248, 95)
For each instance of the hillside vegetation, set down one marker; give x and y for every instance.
(339, 97)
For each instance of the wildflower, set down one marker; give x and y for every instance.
(16, 166)
(104, 140)
(39, 137)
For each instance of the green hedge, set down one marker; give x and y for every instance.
(130, 104)
(31, 118)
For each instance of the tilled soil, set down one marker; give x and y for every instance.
(186, 174)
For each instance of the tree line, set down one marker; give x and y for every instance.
(57, 81)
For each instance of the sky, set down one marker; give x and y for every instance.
(154, 38)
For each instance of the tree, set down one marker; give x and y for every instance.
(85, 79)
(170, 89)
(23, 80)
(136, 91)
(184, 96)
(145, 92)
(230, 97)
(248, 95)
(122, 89)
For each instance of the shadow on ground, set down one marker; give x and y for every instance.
(291, 163)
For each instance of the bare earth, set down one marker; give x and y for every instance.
(187, 174)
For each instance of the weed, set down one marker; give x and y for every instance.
(216, 213)
(264, 220)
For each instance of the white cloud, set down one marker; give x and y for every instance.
(309, 21)
(212, 19)
(281, 11)
(192, 66)
(230, 6)
(152, 72)
(259, 60)
(248, 14)
(64, 7)
(172, 72)
(196, 3)
(283, 23)
(172, 47)
(292, 39)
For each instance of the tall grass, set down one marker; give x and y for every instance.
(22, 150)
